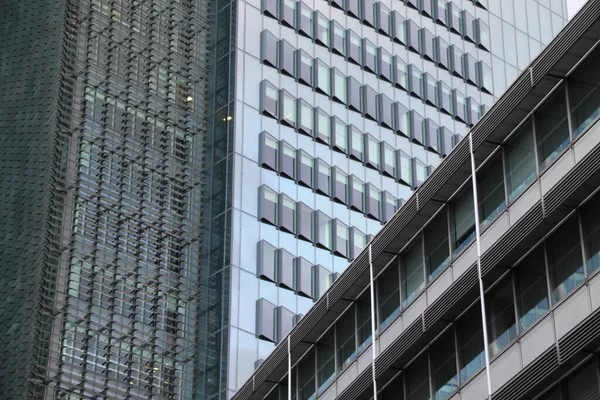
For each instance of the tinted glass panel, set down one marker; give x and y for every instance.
(463, 220)
(417, 380)
(388, 296)
(306, 377)
(413, 279)
(443, 367)
(583, 385)
(584, 94)
(565, 263)
(471, 357)
(346, 340)
(551, 128)
(500, 312)
(520, 161)
(532, 288)
(363, 318)
(591, 231)
(325, 361)
(437, 251)
(490, 182)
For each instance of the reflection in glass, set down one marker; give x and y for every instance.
(520, 161)
(413, 280)
(437, 253)
(463, 220)
(471, 357)
(532, 289)
(591, 231)
(443, 366)
(346, 340)
(363, 319)
(500, 312)
(306, 377)
(565, 264)
(490, 182)
(584, 94)
(551, 128)
(417, 380)
(325, 361)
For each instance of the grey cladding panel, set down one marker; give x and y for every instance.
(285, 268)
(265, 320)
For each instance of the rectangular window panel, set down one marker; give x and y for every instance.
(401, 120)
(325, 361)
(305, 169)
(323, 177)
(322, 77)
(340, 186)
(405, 165)
(532, 289)
(285, 269)
(346, 340)
(384, 111)
(373, 154)
(388, 296)
(437, 248)
(338, 91)
(369, 102)
(287, 160)
(500, 312)
(286, 58)
(413, 277)
(368, 12)
(303, 277)
(357, 194)
(551, 128)
(401, 73)
(341, 237)
(288, 109)
(399, 28)
(354, 47)
(354, 94)
(490, 182)
(306, 124)
(383, 22)
(440, 47)
(416, 81)
(269, 7)
(304, 222)
(459, 105)
(338, 42)
(453, 13)
(268, 48)
(565, 264)
(420, 171)
(369, 56)
(269, 100)
(412, 31)
(357, 144)
(358, 241)
(443, 367)
(417, 380)
(484, 77)
(426, 44)
(444, 93)
(416, 127)
(305, 20)
(431, 136)
(429, 90)
(591, 231)
(386, 65)
(583, 384)
(466, 26)
(471, 356)
(363, 318)
(390, 205)
(340, 138)
(456, 59)
(323, 128)
(353, 8)
(323, 230)
(373, 202)
(584, 94)
(304, 67)
(475, 111)
(519, 154)
(286, 13)
(389, 161)
(470, 68)
(268, 205)
(306, 377)
(265, 261)
(287, 213)
(483, 34)
(269, 151)
(321, 29)
(463, 220)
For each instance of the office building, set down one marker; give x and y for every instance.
(183, 179)
(485, 284)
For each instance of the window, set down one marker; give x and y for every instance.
(389, 160)
(426, 42)
(401, 119)
(416, 81)
(286, 13)
(519, 155)
(421, 172)
(401, 77)
(565, 265)
(358, 241)
(269, 7)
(323, 128)
(532, 288)
(323, 177)
(322, 77)
(475, 111)
(304, 222)
(373, 152)
(287, 213)
(286, 58)
(338, 90)
(325, 361)
(268, 48)
(471, 357)
(305, 169)
(484, 77)
(367, 14)
(459, 106)
(467, 26)
(583, 384)
(346, 340)
(417, 380)
(285, 269)
(399, 28)
(584, 94)
(373, 202)
(268, 205)
(357, 194)
(363, 318)
(353, 8)
(463, 220)
(340, 186)
(304, 69)
(270, 100)
(305, 20)
(437, 250)
(456, 58)
(385, 63)
(490, 189)
(444, 93)
(551, 128)
(440, 16)
(395, 390)
(369, 56)
(306, 377)
(443, 367)
(287, 160)
(413, 279)
(500, 311)
(416, 127)
(269, 151)
(426, 7)
(322, 230)
(453, 14)
(412, 30)
(265, 267)
(431, 136)
(303, 277)
(354, 50)
(446, 140)
(405, 164)
(368, 102)
(340, 137)
(429, 90)
(390, 205)
(341, 237)
(354, 94)
(338, 38)
(483, 34)
(440, 48)
(321, 29)
(306, 118)
(384, 111)
(469, 66)
(388, 295)
(382, 14)
(591, 232)
(288, 109)
(357, 145)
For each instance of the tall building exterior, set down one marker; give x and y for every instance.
(485, 284)
(183, 178)
(340, 110)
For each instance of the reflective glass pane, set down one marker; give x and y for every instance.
(325, 361)
(437, 252)
(417, 380)
(532, 288)
(471, 357)
(388, 296)
(491, 196)
(463, 220)
(363, 319)
(500, 313)
(565, 264)
(306, 377)
(346, 340)
(413, 279)
(584, 94)
(591, 231)
(551, 128)
(520, 161)
(443, 367)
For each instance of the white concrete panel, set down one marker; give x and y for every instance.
(466, 259)
(390, 334)
(586, 143)
(524, 203)
(557, 171)
(439, 286)
(507, 365)
(537, 340)
(330, 393)
(494, 232)
(415, 310)
(347, 377)
(476, 388)
(572, 311)
(365, 359)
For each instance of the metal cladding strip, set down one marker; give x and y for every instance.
(277, 357)
(531, 375)
(579, 337)
(457, 157)
(582, 171)
(556, 50)
(502, 109)
(403, 342)
(246, 391)
(358, 386)
(450, 297)
(307, 324)
(512, 237)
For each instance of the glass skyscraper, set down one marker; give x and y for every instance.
(183, 178)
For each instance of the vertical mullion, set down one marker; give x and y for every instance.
(582, 242)
(569, 122)
(548, 283)
(424, 268)
(535, 147)
(513, 279)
